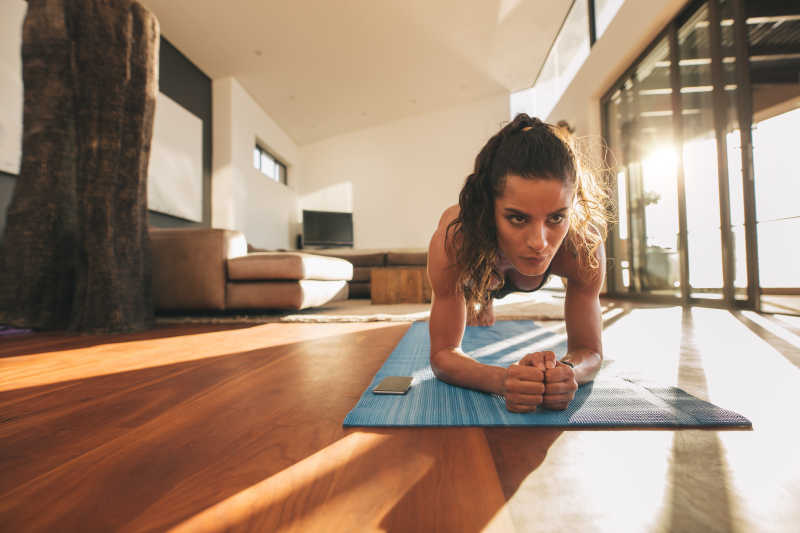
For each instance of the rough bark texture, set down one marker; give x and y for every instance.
(76, 251)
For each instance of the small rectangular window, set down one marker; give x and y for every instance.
(268, 165)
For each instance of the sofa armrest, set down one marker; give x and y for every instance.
(189, 266)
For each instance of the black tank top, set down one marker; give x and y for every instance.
(509, 287)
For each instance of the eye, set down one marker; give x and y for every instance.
(516, 220)
(557, 218)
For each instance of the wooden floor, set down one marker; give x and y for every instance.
(205, 428)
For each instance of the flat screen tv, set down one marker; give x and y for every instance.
(327, 228)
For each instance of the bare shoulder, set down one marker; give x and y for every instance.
(567, 265)
(441, 262)
(449, 215)
(440, 236)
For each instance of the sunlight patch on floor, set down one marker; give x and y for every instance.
(645, 343)
(535, 333)
(731, 366)
(773, 328)
(637, 461)
(262, 505)
(45, 368)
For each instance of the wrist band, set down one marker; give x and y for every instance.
(568, 363)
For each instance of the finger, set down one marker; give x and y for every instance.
(538, 360)
(530, 400)
(519, 408)
(516, 386)
(532, 359)
(559, 397)
(549, 359)
(557, 402)
(559, 373)
(527, 373)
(562, 387)
(556, 406)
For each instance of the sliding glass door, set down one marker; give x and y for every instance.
(702, 134)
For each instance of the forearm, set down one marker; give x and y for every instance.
(457, 368)
(587, 363)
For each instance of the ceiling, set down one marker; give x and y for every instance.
(320, 68)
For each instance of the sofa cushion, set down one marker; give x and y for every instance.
(289, 266)
(284, 294)
(407, 257)
(359, 258)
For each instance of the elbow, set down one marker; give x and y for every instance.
(436, 361)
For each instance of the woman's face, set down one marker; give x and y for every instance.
(532, 218)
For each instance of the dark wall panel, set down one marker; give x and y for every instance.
(187, 85)
(7, 182)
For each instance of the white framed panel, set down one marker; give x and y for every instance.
(12, 16)
(175, 174)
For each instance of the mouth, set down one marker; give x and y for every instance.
(536, 259)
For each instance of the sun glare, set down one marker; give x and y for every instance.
(661, 161)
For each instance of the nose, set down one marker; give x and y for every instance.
(537, 237)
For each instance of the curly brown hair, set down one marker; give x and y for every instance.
(532, 149)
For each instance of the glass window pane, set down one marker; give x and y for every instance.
(256, 157)
(572, 45)
(733, 143)
(778, 253)
(618, 232)
(622, 200)
(777, 177)
(282, 173)
(700, 156)
(653, 169)
(740, 265)
(772, 31)
(569, 51)
(267, 164)
(604, 11)
(546, 90)
(645, 162)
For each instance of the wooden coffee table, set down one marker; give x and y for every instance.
(393, 285)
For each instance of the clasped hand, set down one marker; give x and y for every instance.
(539, 379)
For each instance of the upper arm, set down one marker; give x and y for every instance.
(582, 312)
(448, 310)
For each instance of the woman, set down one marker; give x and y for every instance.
(526, 212)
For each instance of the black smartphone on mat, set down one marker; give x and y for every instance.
(393, 385)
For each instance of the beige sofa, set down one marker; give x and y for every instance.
(364, 261)
(211, 269)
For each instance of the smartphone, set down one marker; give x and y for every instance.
(393, 385)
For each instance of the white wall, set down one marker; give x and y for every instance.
(241, 197)
(398, 177)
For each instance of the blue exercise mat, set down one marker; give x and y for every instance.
(608, 401)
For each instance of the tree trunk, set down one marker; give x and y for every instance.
(76, 251)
